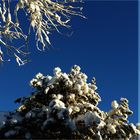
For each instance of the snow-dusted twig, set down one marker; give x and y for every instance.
(44, 16)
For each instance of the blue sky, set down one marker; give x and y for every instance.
(105, 45)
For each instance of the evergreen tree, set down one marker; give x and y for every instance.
(65, 106)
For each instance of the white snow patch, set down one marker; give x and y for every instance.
(3, 118)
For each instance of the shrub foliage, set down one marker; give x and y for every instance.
(65, 106)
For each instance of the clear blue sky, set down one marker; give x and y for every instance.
(105, 46)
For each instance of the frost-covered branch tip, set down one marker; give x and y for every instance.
(44, 16)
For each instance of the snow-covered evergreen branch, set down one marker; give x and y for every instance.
(65, 106)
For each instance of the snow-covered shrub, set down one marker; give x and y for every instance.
(65, 106)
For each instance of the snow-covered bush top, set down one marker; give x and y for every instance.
(64, 106)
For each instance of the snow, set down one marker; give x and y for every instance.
(10, 133)
(91, 117)
(3, 118)
(15, 118)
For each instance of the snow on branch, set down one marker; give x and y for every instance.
(44, 17)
